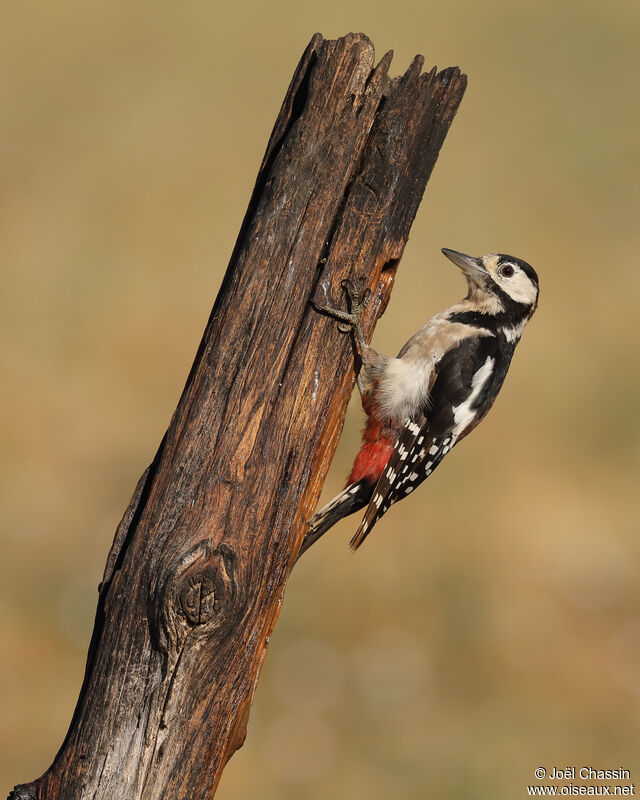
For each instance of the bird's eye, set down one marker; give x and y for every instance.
(507, 271)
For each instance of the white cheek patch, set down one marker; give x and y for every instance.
(463, 414)
(520, 288)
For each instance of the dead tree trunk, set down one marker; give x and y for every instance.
(196, 575)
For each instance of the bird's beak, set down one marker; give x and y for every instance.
(472, 267)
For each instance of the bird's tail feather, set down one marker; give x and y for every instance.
(351, 499)
(359, 536)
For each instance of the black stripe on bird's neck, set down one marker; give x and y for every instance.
(511, 314)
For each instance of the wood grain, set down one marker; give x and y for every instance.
(195, 579)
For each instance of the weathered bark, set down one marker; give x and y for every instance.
(195, 578)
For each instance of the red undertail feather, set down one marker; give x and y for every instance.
(370, 461)
(376, 449)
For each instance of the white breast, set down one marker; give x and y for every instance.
(403, 386)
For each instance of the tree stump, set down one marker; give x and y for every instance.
(197, 571)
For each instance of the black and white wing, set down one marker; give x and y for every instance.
(415, 457)
(461, 394)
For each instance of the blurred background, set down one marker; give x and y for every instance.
(490, 625)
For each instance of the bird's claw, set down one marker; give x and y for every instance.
(348, 321)
(359, 296)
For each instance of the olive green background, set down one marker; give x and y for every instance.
(490, 624)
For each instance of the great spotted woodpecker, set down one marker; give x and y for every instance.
(442, 383)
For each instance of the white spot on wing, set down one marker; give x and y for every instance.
(463, 414)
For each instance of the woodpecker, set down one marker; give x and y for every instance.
(443, 382)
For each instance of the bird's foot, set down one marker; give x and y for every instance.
(359, 297)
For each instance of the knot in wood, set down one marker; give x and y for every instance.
(197, 595)
(204, 592)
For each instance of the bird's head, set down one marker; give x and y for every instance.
(498, 283)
